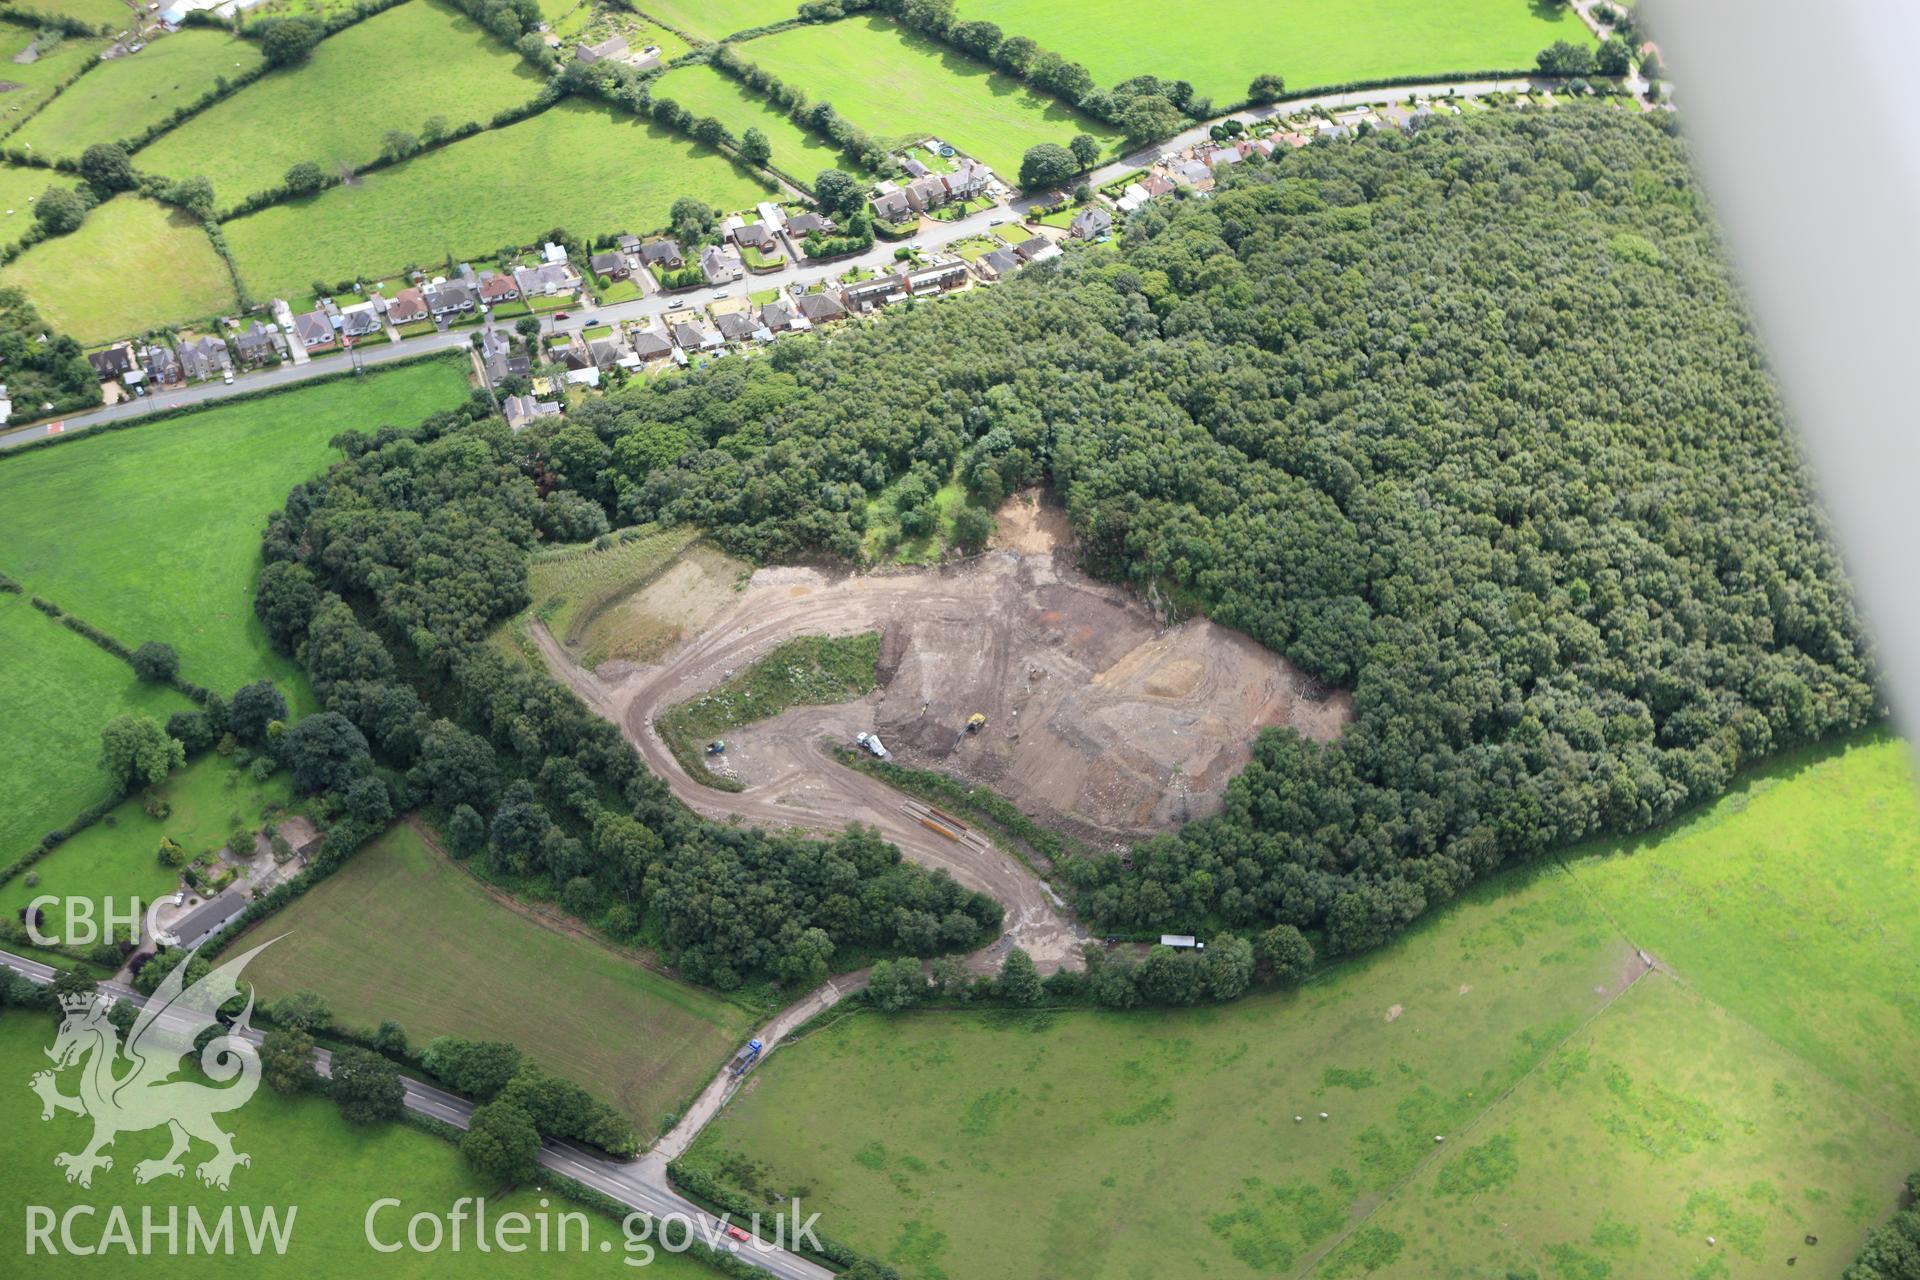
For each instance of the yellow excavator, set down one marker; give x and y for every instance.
(976, 722)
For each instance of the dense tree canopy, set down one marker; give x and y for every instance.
(1470, 422)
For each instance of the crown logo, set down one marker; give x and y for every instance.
(78, 1001)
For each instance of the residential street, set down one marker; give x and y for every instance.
(640, 1184)
(933, 235)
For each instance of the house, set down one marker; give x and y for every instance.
(314, 330)
(1195, 174)
(803, 225)
(868, 294)
(116, 360)
(210, 917)
(664, 254)
(496, 288)
(604, 352)
(502, 360)
(587, 377)
(649, 345)
(448, 299)
(549, 280)
(259, 344)
(553, 254)
(406, 307)
(818, 308)
(161, 364)
(778, 317)
(611, 265)
(1224, 157)
(614, 47)
(689, 336)
(995, 265)
(893, 206)
(720, 265)
(968, 180)
(1032, 247)
(205, 358)
(521, 410)
(1090, 222)
(940, 279)
(359, 320)
(755, 235)
(735, 326)
(914, 168)
(1155, 185)
(1132, 198)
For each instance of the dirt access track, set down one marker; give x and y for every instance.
(1100, 722)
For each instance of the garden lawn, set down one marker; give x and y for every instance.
(117, 857)
(121, 99)
(133, 265)
(415, 61)
(19, 188)
(1221, 45)
(1599, 1118)
(706, 92)
(58, 688)
(402, 933)
(304, 1157)
(153, 532)
(898, 85)
(36, 81)
(589, 168)
(716, 19)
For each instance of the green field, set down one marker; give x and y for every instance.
(58, 688)
(1221, 45)
(34, 81)
(706, 92)
(153, 533)
(1600, 1119)
(117, 856)
(108, 13)
(119, 100)
(303, 1156)
(86, 285)
(716, 19)
(402, 933)
(19, 187)
(415, 61)
(570, 585)
(593, 169)
(896, 84)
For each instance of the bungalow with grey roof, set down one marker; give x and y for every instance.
(994, 265)
(735, 326)
(777, 316)
(664, 254)
(210, 917)
(611, 265)
(819, 308)
(604, 352)
(548, 280)
(314, 330)
(448, 299)
(754, 235)
(359, 320)
(649, 345)
(628, 244)
(802, 225)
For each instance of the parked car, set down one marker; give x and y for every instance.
(226, 376)
(563, 315)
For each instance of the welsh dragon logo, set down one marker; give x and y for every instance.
(148, 1095)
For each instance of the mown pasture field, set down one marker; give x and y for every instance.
(589, 168)
(897, 84)
(153, 533)
(107, 13)
(1600, 1118)
(36, 80)
(58, 688)
(121, 98)
(82, 285)
(1221, 45)
(717, 19)
(706, 92)
(19, 187)
(117, 857)
(402, 933)
(304, 1157)
(416, 61)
